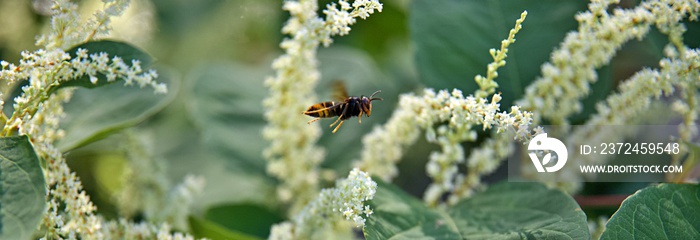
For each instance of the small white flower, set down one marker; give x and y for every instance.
(344, 5)
(282, 231)
(93, 79)
(346, 198)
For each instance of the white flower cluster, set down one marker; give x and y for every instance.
(147, 189)
(346, 200)
(63, 68)
(143, 182)
(282, 231)
(635, 96)
(67, 28)
(38, 110)
(176, 208)
(485, 159)
(600, 34)
(454, 117)
(383, 147)
(114, 68)
(565, 80)
(448, 119)
(668, 21)
(46, 70)
(292, 155)
(567, 77)
(482, 161)
(123, 229)
(70, 211)
(668, 17)
(487, 85)
(37, 115)
(339, 20)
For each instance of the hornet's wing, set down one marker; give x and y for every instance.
(340, 93)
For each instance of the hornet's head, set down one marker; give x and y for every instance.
(366, 102)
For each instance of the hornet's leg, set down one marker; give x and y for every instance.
(340, 124)
(313, 120)
(336, 121)
(360, 118)
(339, 119)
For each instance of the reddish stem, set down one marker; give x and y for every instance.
(613, 200)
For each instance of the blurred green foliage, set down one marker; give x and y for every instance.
(215, 54)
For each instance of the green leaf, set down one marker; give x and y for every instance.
(666, 211)
(126, 51)
(453, 39)
(22, 188)
(520, 210)
(398, 215)
(93, 114)
(503, 211)
(202, 228)
(246, 218)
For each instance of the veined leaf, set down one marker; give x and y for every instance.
(520, 210)
(22, 188)
(94, 113)
(666, 211)
(398, 215)
(504, 211)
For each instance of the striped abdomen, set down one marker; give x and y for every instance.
(323, 110)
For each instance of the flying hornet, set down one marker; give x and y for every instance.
(346, 108)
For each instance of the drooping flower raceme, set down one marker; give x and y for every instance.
(292, 155)
(567, 78)
(635, 96)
